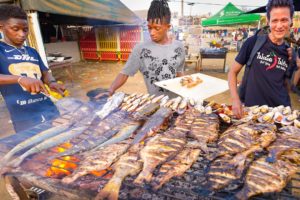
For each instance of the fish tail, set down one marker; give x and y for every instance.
(110, 191)
(243, 194)
(143, 177)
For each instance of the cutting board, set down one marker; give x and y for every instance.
(209, 87)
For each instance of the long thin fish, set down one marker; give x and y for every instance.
(54, 141)
(34, 140)
(87, 145)
(153, 124)
(121, 135)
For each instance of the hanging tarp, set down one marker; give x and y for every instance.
(230, 15)
(107, 10)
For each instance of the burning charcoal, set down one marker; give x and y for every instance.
(136, 193)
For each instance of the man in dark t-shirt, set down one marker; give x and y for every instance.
(268, 73)
(22, 73)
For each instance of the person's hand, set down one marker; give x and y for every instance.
(32, 85)
(237, 108)
(298, 62)
(57, 87)
(109, 93)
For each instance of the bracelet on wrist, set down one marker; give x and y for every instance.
(19, 79)
(52, 81)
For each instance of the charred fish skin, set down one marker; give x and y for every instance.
(264, 177)
(176, 167)
(288, 139)
(205, 129)
(222, 173)
(241, 138)
(129, 164)
(161, 116)
(97, 160)
(159, 149)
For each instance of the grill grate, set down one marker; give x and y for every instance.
(190, 186)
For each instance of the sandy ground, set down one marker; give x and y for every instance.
(92, 75)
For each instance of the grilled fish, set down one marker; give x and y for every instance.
(111, 104)
(51, 142)
(123, 134)
(265, 177)
(289, 139)
(205, 129)
(97, 160)
(243, 137)
(159, 149)
(129, 164)
(221, 172)
(34, 140)
(146, 111)
(91, 138)
(153, 124)
(176, 167)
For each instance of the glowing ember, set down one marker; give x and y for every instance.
(54, 171)
(100, 173)
(64, 164)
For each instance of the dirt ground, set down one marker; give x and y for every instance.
(92, 75)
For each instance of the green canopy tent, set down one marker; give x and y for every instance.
(230, 15)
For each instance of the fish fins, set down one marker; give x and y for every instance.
(110, 191)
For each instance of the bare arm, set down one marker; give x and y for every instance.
(232, 81)
(31, 85)
(117, 83)
(8, 79)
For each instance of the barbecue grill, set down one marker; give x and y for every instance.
(190, 186)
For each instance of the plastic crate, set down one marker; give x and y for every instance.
(109, 56)
(90, 55)
(124, 56)
(88, 45)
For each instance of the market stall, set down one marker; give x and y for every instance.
(140, 146)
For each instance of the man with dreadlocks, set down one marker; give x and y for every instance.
(158, 59)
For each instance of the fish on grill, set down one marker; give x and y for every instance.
(153, 124)
(93, 137)
(205, 129)
(288, 139)
(160, 149)
(97, 160)
(146, 111)
(265, 177)
(51, 142)
(34, 140)
(222, 173)
(128, 164)
(243, 137)
(175, 167)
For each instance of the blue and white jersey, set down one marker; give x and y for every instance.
(21, 104)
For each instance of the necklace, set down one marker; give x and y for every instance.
(22, 50)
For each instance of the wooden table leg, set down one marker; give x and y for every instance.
(15, 190)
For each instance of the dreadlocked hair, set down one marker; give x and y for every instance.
(159, 9)
(11, 11)
(279, 4)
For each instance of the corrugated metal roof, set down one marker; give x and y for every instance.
(108, 10)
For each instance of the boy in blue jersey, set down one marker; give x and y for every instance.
(23, 73)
